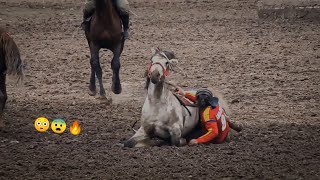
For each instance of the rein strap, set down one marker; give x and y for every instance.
(182, 103)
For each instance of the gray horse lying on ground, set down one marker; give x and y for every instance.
(163, 116)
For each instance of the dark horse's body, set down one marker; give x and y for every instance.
(105, 32)
(10, 64)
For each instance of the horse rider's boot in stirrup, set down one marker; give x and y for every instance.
(125, 22)
(86, 20)
(84, 25)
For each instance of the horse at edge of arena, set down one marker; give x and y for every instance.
(10, 64)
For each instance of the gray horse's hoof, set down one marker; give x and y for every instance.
(129, 144)
(183, 142)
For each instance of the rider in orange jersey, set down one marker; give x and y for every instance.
(213, 118)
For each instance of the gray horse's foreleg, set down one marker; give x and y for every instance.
(175, 136)
(139, 139)
(115, 65)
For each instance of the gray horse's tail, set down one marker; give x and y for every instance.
(11, 54)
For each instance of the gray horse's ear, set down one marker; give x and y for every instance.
(173, 61)
(155, 50)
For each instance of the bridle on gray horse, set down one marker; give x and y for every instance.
(166, 72)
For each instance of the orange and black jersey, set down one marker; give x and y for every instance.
(213, 121)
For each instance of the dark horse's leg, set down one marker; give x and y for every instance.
(92, 85)
(3, 92)
(2, 104)
(115, 65)
(95, 70)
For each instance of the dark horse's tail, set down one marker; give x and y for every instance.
(10, 54)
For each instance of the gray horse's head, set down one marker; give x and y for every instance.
(160, 65)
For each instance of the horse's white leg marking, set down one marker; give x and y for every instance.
(140, 134)
(175, 134)
(139, 139)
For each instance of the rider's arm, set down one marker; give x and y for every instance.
(211, 126)
(191, 96)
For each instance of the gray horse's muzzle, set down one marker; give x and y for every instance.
(155, 77)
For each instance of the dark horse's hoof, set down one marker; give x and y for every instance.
(116, 88)
(92, 92)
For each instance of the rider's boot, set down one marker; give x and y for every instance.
(236, 126)
(125, 22)
(85, 25)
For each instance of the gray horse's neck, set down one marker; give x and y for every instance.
(157, 92)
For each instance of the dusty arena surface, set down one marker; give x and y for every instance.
(268, 71)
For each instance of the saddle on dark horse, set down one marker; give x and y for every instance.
(87, 16)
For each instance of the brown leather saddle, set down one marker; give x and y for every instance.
(185, 102)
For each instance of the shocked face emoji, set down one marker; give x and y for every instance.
(58, 126)
(41, 124)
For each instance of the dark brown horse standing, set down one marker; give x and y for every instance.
(105, 32)
(10, 64)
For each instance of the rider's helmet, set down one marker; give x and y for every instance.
(205, 98)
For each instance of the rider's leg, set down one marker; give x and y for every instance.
(123, 8)
(234, 125)
(233, 135)
(87, 12)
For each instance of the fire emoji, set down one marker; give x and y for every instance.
(75, 128)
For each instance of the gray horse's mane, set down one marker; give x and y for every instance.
(170, 55)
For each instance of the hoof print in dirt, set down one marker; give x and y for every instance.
(104, 100)
(92, 93)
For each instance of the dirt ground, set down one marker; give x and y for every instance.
(268, 71)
